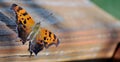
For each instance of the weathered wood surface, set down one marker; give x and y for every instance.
(85, 31)
(6, 34)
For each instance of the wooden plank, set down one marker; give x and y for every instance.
(85, 32)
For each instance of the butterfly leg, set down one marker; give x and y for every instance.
(31, 53)
(29, 49)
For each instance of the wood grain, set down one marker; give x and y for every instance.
(85, 32)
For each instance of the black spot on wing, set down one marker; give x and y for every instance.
(24, 21)
(22, 18)
(24, 26)
(54, 37)
(20, 22)
(46, 33)
(50, 34)
(19, 8)
(41, 41)
(44, 38)
(30, 17)
(24, 14)
(45, 30)
(27, 18)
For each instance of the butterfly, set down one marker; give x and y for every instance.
(38, 37)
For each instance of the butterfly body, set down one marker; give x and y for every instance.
(28, 30)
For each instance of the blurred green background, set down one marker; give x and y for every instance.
(110, 6)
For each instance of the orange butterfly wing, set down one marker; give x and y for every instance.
(48, 37)
(24, 22)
